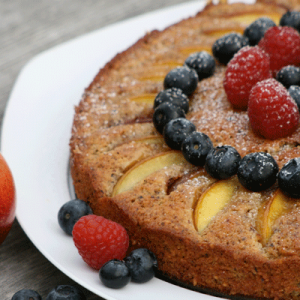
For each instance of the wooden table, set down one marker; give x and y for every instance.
(28, 27)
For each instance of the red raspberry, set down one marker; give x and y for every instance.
(272, 111)
(99, 240)
(283, 46)
(247, 67)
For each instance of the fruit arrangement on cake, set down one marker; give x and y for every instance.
(190, 140)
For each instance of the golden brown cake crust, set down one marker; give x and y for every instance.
(113, 133)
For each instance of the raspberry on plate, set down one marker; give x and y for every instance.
(99, 240)
(272, 111)
(283, 46)
(247, 67)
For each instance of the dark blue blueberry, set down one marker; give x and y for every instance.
(289, 178)
(196, 147)
(257, 171)
(176, 131)
(222, 162)
(115, 274)
(182, 78)
(294, 91)
(256, 30)
(164, 113)
(26, 294)
(141, 264)
(203, 63)
(225, 47)
(289, 75)
(66, 292)
(291, 19)
(174, 96)
(71, 212)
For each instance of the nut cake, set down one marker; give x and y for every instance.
(122, 167)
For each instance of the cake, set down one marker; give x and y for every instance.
(123, 168)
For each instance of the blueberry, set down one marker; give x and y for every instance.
(176, 131)
(71, 212)
(289, 178)
(173, 95)
(291, 19)
(115, 274)
(289, 75)
(66, 292)
(182, 78)
(294, 91)
(202, 62)
(225, 47)
(26, 294)
(141, 264)
(257, 171)
(256, 30)
(164, 113)
(196, 147)
(222, 162)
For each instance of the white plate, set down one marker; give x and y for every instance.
(35, 136)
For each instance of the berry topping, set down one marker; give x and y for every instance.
(196, 147)
(176, 131)
(141, 264)
(66, 292)
(283, 46)
(256, 30)
(247, 67)
(294, 91)
(291, 19)
(71, 212)
(257, 171)
(202, 62)
(182, 78)
(225, 47)
(164, 113)
(115, 274)
(289, 178)
(272, 111)
(174, 96)
(222, 162)
(26, 294)
(99, 240)
(289, 75)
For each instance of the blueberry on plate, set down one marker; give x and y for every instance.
(289, 178)
(291, 19)
(257, 171)
(256, 30)
(174, 96)
(202, 62)
(141, 264)
(176, 131)
(26, 294)
(115, 274)
(66, 292)
(195, 148)
(164, 113)
(71, 212)
(222, 162)
(289, 75)
(182, 78)
(226, 46)
(294, 91)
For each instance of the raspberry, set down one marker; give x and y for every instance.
(99, 240)
(247, 67)
(272, 111)
(283, 46)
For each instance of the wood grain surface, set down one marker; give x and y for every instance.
(28, 27)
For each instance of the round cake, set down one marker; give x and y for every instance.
(208, 233)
